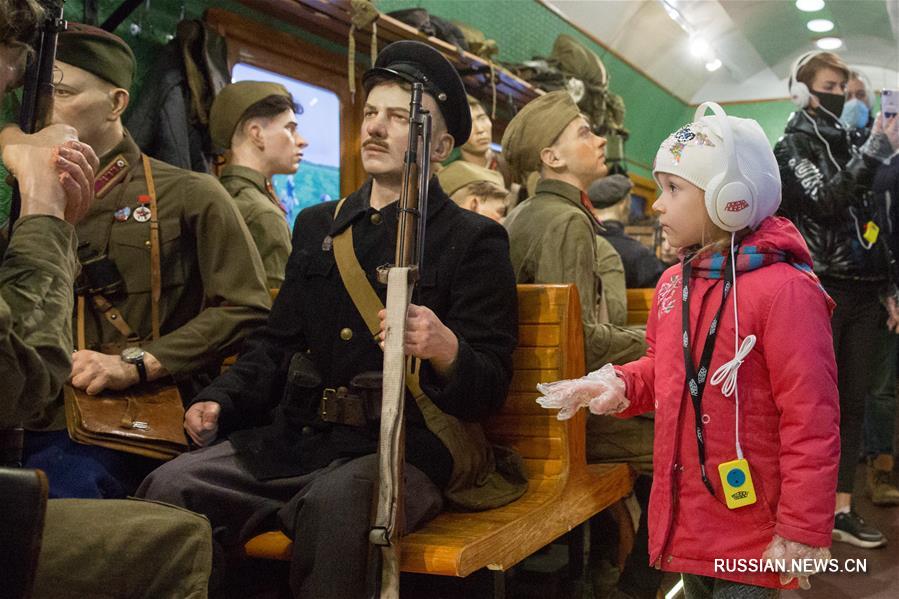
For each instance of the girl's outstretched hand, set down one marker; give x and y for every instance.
(601, 390)
(799, 561)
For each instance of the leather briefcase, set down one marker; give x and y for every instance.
(147, 421)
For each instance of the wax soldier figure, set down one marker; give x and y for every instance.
(311, 472)
(477, 149)
(212, 289)
(554, 235)
(257, 122)
(610, 198)
(80, 551)
(475, 188)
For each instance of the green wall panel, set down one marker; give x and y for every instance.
(772, 116)
(524, 29)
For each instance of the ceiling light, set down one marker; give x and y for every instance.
(713, 65)
(698, 46)
(820, 25)
(829, 43)
(809, 5)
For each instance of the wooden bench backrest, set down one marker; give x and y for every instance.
(639, 303)
(563, 492)
(550, 348)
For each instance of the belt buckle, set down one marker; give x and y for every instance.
(331, 408)
(328, 407)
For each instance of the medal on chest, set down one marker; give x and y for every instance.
(142, 214)
(122, 214)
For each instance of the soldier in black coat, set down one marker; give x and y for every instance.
(304, 471)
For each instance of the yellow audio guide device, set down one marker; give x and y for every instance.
(737, 483)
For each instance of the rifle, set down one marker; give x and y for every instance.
(37, 106)
(400, 278)
(37, 93)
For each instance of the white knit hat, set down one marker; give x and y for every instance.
(696, 152)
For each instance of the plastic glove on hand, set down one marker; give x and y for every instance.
(601, 390)
(793, 553)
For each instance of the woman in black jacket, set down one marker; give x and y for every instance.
(826, 193)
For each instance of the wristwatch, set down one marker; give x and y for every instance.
(135, 355)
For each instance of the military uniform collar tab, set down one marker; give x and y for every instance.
(110, 175)
(115, 165)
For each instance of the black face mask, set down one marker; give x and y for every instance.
(832, 103)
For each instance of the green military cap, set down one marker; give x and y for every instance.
(535, 127)
(458, 174)
(98, 52)
(232, 102)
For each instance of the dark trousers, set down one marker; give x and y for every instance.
(77, 471)
(639, 579)
(857, 323)
(880, 405)
(327, 512)
(706, 587)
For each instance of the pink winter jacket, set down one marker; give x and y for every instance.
(789, 415)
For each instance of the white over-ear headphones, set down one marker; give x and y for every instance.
(799, 92)
(730, 197)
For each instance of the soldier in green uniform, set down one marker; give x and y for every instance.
(553, 234)
(210, 283)
(555, 239)
(87, 546)
(257, 122)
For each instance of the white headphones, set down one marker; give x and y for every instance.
(799, 92)
(730, 197)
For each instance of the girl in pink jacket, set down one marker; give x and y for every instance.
(740, 372)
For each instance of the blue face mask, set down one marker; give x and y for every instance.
(855, 114)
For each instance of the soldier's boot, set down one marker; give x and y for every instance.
(881, 488)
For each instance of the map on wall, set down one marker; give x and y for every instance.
(318, 178)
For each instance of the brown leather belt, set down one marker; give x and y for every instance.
(341, 406)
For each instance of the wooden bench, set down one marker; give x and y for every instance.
(639, 303)
(563, 490)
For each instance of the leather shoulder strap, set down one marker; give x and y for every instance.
(363, 295)
(155, 268)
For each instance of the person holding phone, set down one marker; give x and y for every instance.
(826, 193)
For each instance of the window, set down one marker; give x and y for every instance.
(318, 178)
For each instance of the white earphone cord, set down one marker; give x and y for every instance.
(726, 374)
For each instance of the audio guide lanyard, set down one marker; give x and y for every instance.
(696, 380)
